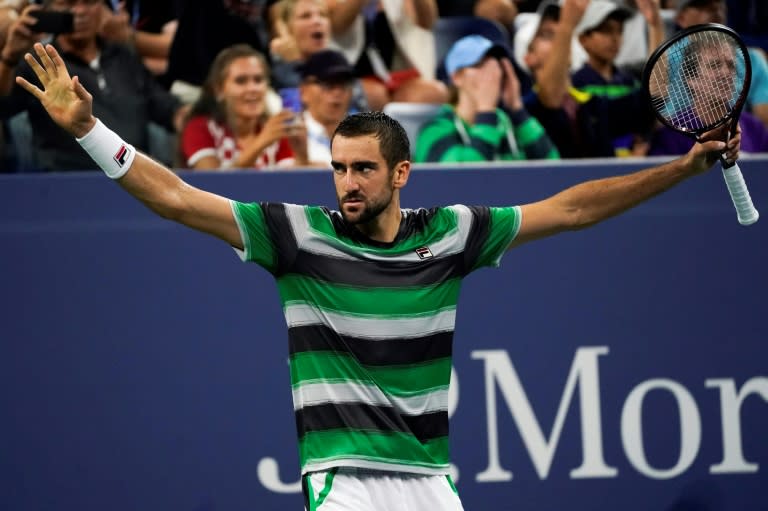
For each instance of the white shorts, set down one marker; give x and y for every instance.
(354, 489)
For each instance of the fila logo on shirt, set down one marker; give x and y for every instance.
(121, 156)
(424, 253)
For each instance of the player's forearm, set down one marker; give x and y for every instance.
(148, 181)
(155, 186)
(166, 194)
(594, 201)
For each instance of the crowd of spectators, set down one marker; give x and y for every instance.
(197, 84)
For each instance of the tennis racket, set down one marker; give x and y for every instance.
(697, 81)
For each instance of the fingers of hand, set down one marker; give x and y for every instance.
(296, 129)
(81, 92)
(58, 62)
(45, 59)
(30, 8)
(732, 149)
(41, 73)
(29, 87)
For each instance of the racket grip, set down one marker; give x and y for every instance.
(734, 180)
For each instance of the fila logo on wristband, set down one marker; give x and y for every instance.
(121, 156)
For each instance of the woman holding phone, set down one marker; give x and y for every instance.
(231, 127)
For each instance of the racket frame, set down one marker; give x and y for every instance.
(737, 188)
(738, 106)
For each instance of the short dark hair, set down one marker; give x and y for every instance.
(393, 140)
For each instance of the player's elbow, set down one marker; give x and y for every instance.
(576, 219)
(169, 205)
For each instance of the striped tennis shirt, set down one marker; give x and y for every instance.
(370, 325)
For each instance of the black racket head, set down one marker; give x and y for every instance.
(698, 79)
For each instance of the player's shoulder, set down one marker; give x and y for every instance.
(442, 217)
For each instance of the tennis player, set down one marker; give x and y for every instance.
(369, 291)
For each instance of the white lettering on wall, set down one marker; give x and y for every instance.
(500, 371)
(730, 412)
(269, 476)
(632, 432)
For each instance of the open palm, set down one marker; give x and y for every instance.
(63, 97)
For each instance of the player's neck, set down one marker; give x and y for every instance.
(386, 225)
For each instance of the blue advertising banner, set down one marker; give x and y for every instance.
(143, 366)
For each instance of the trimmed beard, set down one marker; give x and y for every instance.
(369, 212)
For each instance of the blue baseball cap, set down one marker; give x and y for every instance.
(471, 49)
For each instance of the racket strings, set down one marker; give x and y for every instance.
(698, 80)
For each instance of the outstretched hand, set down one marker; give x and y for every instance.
(64, 98)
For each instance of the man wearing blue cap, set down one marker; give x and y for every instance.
(486, 121)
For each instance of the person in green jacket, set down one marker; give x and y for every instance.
(487, 120)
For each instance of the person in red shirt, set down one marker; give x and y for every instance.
(230, 125)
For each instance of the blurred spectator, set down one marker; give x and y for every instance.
(125, 94)
(147, 26)
(391, 47)
(302, 28)
(205, 28)
(580, 124)
(600, 34)
(694, 12)
(326, 93)
(230, 126)
(488, 121)
(9, 12)
(500, 11)
(644, 30)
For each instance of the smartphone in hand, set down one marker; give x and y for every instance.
(291, 100)
(53, 22)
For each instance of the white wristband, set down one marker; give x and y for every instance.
(113, 155)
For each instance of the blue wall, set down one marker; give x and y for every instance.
(142, 366)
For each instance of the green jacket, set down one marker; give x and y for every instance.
(498, 135)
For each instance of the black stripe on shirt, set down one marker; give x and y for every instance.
(281, 234)
(478, 235)
(372, 352)
(357, 273)
(356, 416)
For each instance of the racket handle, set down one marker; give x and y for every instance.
(745, 210)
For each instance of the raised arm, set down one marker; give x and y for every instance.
(554, 79)
(591, 202)
(70, 106)
(651, 11)
(343, 13)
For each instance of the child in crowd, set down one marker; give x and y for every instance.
(581, 124)
(600, 33)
